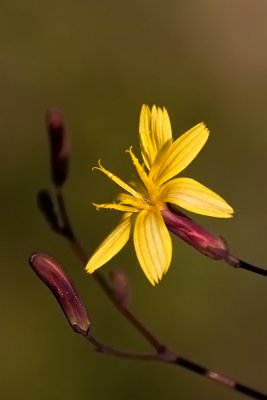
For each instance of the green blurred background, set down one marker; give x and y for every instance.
(98, 61)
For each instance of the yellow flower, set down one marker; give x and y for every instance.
(144, 202)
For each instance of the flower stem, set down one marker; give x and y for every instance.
(252, 268)
(219, 378)
(108, 350)
(169, 357)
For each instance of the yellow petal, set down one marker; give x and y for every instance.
(147, 147)
(167, 134)
(179, 154)
(155, 131)
(160, 128)
(152, 244)
(191, 195)
(113, 243)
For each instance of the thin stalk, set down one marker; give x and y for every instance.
(168, 357)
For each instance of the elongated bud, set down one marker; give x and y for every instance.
(194, 234)
(120, 286)
(59, 146)
(51, 273)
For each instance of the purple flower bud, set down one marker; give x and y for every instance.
(207, 243)
(51, 273)
(120, 286)
(59, 146)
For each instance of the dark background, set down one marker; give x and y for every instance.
(98, 61)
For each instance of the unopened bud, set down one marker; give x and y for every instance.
(53, 276)
(120, 286)
(194, 234)
(59, 146)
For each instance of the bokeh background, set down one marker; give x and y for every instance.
(98, 61)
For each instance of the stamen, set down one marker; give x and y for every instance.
(119, 182)
(128, 200)
(150, 186)
(115, 206)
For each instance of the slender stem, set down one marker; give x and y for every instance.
(219, 378)
(67, 228)
(169, 357)
(252, 268)
(105, 349)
